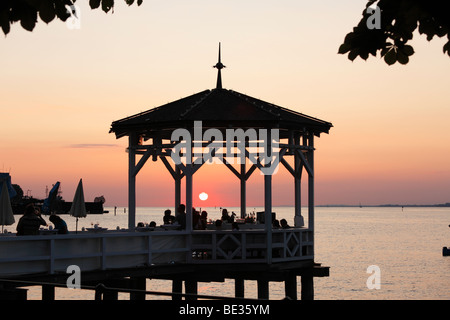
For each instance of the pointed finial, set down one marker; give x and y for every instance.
(219, 67)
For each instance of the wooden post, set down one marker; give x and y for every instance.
(189, 173)
(110, 295)
(138, 283)
(243, 189)
(307, 282)
(297, 182)
(239, 288)
(263, 289)
(177, 188)
(190, 287)
(268, 202)
(131, 181)
(177, 287)
(48, 292)
(311, 186)
(290, 286)
(268, 215)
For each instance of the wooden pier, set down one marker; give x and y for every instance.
(185, 135)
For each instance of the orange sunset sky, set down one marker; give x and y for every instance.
(61, 88)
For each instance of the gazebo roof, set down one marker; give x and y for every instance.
(217, 108)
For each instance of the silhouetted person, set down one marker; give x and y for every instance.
(30, 222)
(203, 220)
(225, 216)
(284, 224)
(276, 224)
(59, 224)
(195, 219)
(168, 217)
(181, 216)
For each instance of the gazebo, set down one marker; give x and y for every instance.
(200, 120)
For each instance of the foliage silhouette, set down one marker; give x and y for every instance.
(398, 20)
(27, 11)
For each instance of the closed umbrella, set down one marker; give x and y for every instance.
(6, 213)
(78, 208)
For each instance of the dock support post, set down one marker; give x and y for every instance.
(177, 287)
(263, 289)
(48, 292)
(190, 287)
(290, 287)
(239, 288)
(111, 295)
(138, 283)
(307, 281)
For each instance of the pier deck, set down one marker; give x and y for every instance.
(206, 255)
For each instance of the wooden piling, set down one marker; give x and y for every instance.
(239, 288)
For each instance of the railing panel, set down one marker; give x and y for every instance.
(109, 250)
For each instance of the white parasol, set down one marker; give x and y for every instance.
(78, 208)
(6, 213)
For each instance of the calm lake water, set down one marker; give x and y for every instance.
(405, 244)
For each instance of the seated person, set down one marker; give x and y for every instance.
(59, 224)
(284, 224)
(168, 218)
(218, 224)
(30, 222)
(276, 224)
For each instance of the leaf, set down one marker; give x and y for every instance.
(402, 58)
(364, 54)
(29, 19)
(408, 50)
(107, 5)
(447, 48)
(353, 54)
(129, 2)
(390, 57)
(344, 48)
(139, 2)
(94, 4)
(61, 11)
(4, 22)
(47, 11)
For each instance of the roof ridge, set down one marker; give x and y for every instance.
(248, 98)
(252, 100)
(204, 92)
(196, 103)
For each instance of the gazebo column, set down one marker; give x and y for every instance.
(298, 219)
(310, 157)
(132, 142)
(268, 214)
(177, 179)
(189, 186)
(268, 199)
(243, 189)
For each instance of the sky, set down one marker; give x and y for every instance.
(61, 88)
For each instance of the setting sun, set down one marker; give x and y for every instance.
(203, 196)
